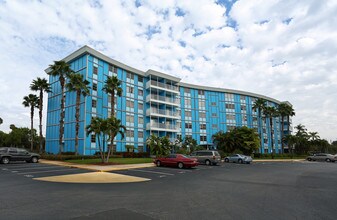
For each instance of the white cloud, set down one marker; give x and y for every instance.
(282, 49)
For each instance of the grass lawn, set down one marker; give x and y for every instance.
(114, 160)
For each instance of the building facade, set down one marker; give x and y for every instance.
(151, 103)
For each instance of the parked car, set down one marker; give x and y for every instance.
(238, 158)
(8, 154)
(208, 157)
(322, 157)
(176, 160)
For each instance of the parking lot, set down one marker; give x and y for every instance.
(262, 190)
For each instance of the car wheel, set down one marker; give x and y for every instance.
(5, 160)
(327, 160)
(180, 165)
(34, 160)
(226, 160)
(158, 163)
(207, 162)
(240, 161)
(309, 159)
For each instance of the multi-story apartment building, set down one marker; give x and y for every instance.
(151, 103)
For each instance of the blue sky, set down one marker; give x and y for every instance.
(283, 49)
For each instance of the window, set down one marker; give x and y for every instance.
(229, 96)
(140, 134)
(201, 92)
(130, 118)
(140, 120)
(112, 68)
(140, 92)
(230, 106)
(201, 103)
(188, 102)
(187, 90)
(130, 133)
(129, 104)
(188, 125)
(140, 106)
(129, 89)
(94, 103)
(203, 138)
(93, 138)
(95, 70)
(188, 114)
(202, 114)
(213, 103)
(214, 126)
(129, 75)
(243, 108)
(140, 79)
(202, 126)
(214, 114)
(230, 117)
(94, 86)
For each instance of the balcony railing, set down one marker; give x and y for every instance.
(160, 98)
(162, 112)
(161, 126)
(162, 86)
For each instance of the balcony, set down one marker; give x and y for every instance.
(163, 99)
(162, 113)
(162, 86)
(162, 127)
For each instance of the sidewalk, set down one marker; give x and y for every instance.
(99, 168)
(278, 160)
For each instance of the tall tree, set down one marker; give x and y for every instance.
(114, 127)
(314, 136)
(79, 85)
(259, 105)
(31, 101)
(61, 69)
(271, 112)
(113, 87)
(41, 85)
(286, 111)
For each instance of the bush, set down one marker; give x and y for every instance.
(67, 157)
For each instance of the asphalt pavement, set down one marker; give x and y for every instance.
(264, 190)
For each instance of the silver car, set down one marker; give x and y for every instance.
(238, 158)
(322, 157)
(208, 157)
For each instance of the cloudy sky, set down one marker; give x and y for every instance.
(285, 49)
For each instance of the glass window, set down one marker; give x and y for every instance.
(140, 134)
(140, 79)
(129, 104)
(140, 92)
(187, 90)
(140, 106)
(129, 89)
(201, 92)
(203, 138)
(94, 86)
(93, 138)
(140, 120)
(202, 126)
(129, 75)
(94, 103)
(188, 113)
(213, 103)
(202, 114)
(112, 68)
(95, 70)
(188, 125)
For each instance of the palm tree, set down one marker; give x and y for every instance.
(114, 127)
(156, 146)
(1, 121)
(97, 127)
(271, 112)
(31, 101)
(291, 140)
(219, 140)
(113, 86)
(42, 86)
(314, 136)
(285, 110)
(61, 69)
(259, 105)
(79, 85)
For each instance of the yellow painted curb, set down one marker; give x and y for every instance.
(94, 177)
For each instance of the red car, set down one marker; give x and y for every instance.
(176, 160)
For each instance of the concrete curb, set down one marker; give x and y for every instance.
(279, 160)
(98, 168)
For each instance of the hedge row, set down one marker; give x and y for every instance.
(72, 156)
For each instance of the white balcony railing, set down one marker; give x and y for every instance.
(161, 126)
(164, 99)
(162, 86)
(161, 112)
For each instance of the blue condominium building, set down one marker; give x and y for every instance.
(152, 103)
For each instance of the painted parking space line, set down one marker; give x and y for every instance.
(149, 171)
(46, 171)
(169, 169)
(34, 168)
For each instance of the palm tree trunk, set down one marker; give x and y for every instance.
(31, 127)
(260, 131)
(111, 146)
(112, 115)
(77, 118)
(282, 128)
(40, 117)
(100, 148)
(61, 116)
(272, 136)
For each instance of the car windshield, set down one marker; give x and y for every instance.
(3, 150)
(216, 153)
(182, 155)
